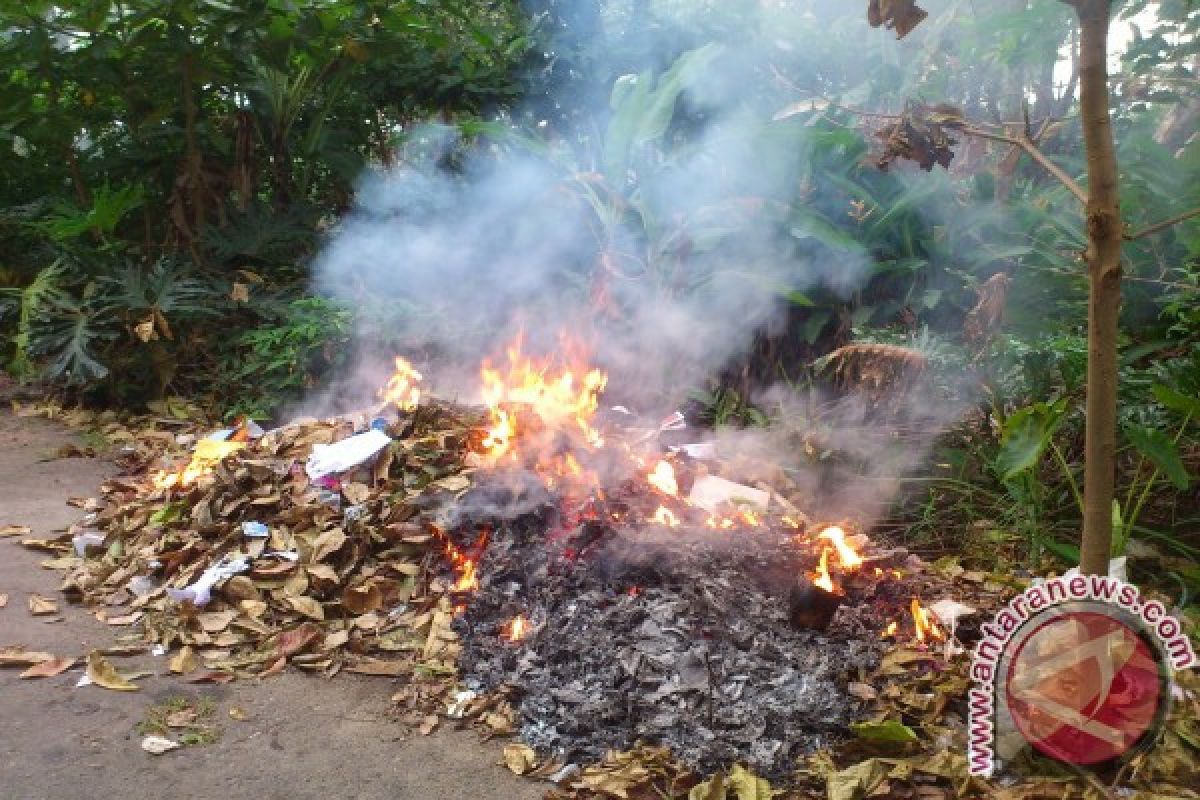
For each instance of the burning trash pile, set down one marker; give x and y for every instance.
(616, 589)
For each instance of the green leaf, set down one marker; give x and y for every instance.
(890, 731)
(1177, 401)
(1162, 452)
(1027, 434)
(797, 298)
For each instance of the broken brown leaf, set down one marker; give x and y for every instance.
(185, 661)
(902, 15)
(519, 758)
(296, 640)
(307, 606)
(102, 673)
(42, 606)
(15, 530)
(49, 668)
(3, 599)
(429, 724)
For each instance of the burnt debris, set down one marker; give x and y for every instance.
(684, 638)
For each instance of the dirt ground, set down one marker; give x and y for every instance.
(305, 737)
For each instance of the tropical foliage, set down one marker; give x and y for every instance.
(172, 167)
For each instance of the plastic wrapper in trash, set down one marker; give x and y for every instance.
(345, 455)
(88, 540)
(200, 592)
(255, 530)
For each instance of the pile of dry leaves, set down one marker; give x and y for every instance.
(252, 565)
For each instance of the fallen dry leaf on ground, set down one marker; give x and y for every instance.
(15, 530)
(3, 599)
(49, 668)
(42, 606)
(519, 758)
(102, 673)
(18, 656)
(185, 661)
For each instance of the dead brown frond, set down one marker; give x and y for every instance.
(875, 370)
(901, 15)
(919, 134)
(987, 316)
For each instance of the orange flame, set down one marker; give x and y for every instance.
(665, 516)
(517, 628)
(847, 557)
(206, 456)
(821, 577)
(890, 630)
(401, 389)
(925, 625)
(563, 397)
(467, 581)
(662, 477)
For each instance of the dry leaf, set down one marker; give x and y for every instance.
(519, 758)
(294, 641)
(15, 530)
(327, 544)
(429, 724)
(42, 606)
(307, 606)
(216, 621)
(183, 718)
(238, 713)
(240, 293)
(17, 656)
(185, 661)
(104, 674)
(3, 599)
(48, 669)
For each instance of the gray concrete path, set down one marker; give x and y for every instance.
(305, 737)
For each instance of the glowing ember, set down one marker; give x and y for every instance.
(749, 517)
(401, 389)
(890, 630)
(821, 578)
(662, 477)
(719, 522)
(665, 516)
(208, 453)
(518, 628)
(925, 625)
(849, 559)
(559, 397)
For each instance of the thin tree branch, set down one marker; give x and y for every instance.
(1166, 223)
(1022, 141)
(1037, 155)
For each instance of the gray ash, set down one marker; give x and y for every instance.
(677, 637)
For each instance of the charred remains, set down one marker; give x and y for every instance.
(676, 636)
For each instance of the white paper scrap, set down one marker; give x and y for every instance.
(710, 493)
(328, 459)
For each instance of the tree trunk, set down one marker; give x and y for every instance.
(1104, 275)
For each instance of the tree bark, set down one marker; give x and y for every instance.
(1103, 258)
